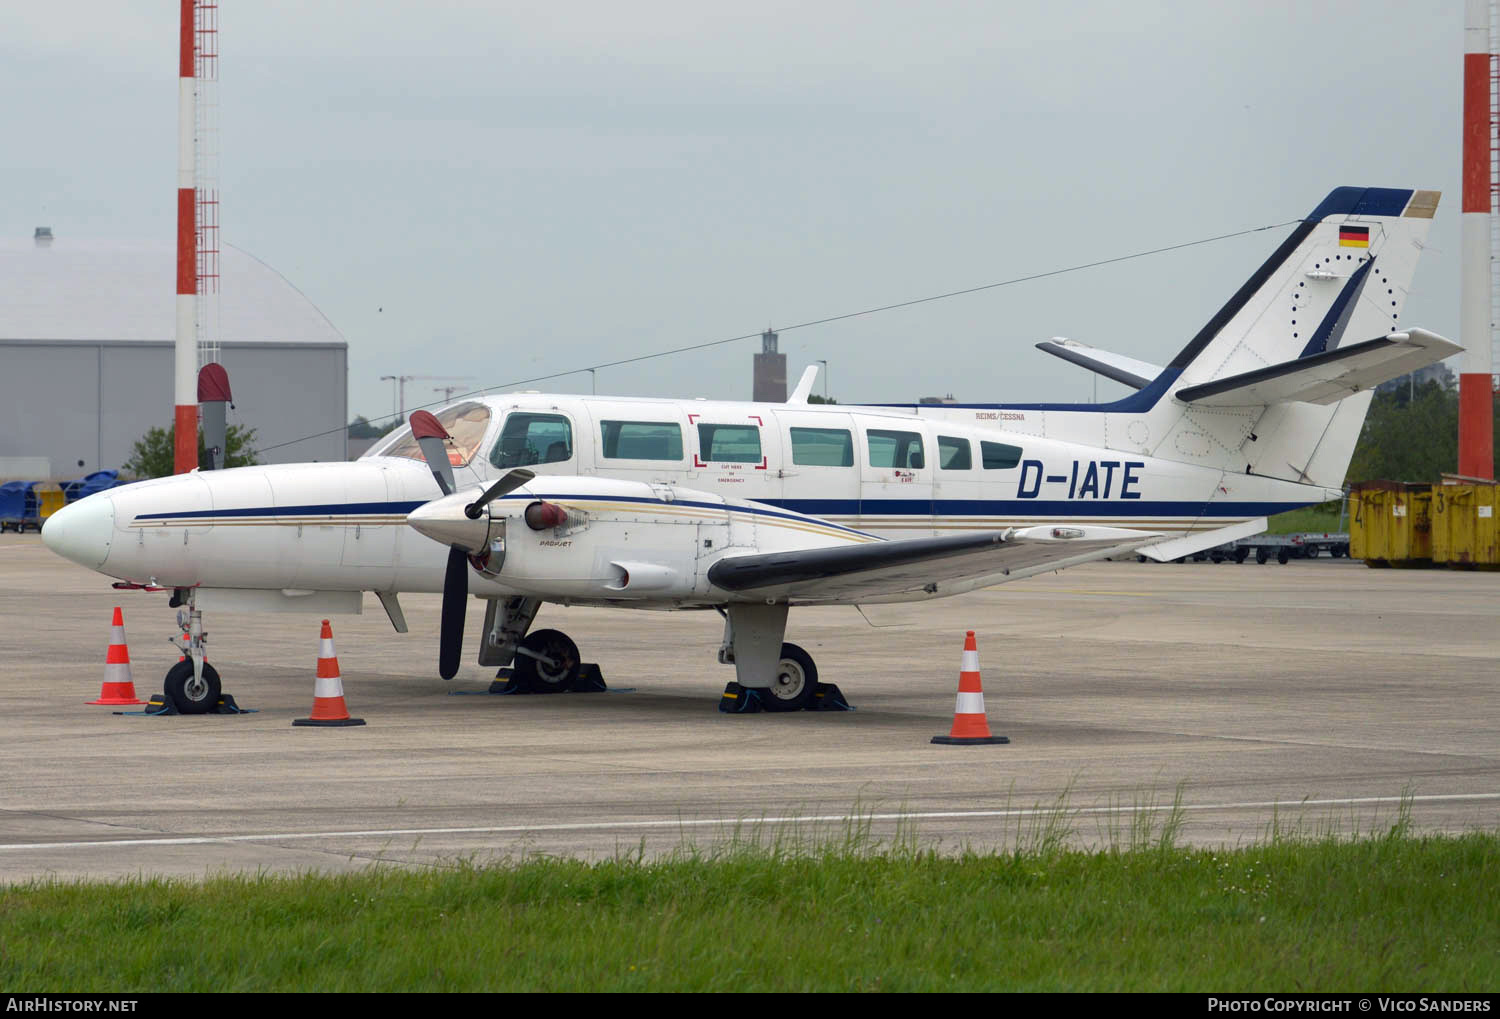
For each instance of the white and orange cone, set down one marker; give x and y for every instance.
(969, 725)
(328, 689)
(118, 687)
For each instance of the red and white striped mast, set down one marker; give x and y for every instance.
(197, 339)
(185, 373)
(1476, 440)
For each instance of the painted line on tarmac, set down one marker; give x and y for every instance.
(926, 815)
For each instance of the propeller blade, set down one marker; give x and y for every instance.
(430, 433)
(512, 481)
(455, 594)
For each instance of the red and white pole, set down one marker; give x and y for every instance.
(1476, 439)
(185, 374)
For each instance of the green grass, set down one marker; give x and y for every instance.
(1323, 517)
(1392, 912)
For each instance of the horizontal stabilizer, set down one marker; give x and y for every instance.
(884, 568)
(1115, 367)
(1202, 541)
(1327, 377)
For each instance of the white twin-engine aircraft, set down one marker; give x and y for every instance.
(751, 508)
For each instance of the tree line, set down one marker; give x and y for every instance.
(1410, 434)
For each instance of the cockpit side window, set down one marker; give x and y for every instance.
(529, 439)
(466, 422)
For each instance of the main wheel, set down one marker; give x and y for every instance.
(539, 676)
(795, 683)
(192, 696)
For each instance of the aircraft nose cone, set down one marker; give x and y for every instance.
(82, 531)
(443, 521)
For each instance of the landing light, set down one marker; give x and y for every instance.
(1066, 532)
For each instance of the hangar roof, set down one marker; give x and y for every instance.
(121, 290)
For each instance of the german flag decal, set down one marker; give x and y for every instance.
(1354, 237)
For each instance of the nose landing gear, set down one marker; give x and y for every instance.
(192, 686)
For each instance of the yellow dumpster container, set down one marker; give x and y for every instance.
(49, 500)
(1392, 524)
(1486, 549)
(1452, 523)
(1466, 531)
(1369, 513)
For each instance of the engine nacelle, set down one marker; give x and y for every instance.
(608, 540)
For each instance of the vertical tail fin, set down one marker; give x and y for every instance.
(1344, 271)
(1341, 278)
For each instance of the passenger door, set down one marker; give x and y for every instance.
(820, 469)
(896, 483)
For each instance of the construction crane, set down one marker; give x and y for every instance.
(398, 387)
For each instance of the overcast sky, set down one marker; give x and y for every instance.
(534, 188)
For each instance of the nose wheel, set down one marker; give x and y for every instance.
(192, 685)
(193, 695)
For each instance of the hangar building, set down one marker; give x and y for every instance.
(86, 354)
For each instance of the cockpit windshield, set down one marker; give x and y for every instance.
(466, 422)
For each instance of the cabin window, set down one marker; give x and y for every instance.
(822, 447)
(729, 443)
(895, 449)
(998, 456)
(641, 440)
(466, 422)
(954, 454)
(530, 439)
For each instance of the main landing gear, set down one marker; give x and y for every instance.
(547, 661)
(770, 675)
(538, 661)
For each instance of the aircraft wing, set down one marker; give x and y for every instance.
(1327, 377)
(946, 565)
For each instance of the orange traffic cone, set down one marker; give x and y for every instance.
(328, 689)
(118, 687)
(969, 725)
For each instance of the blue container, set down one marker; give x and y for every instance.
(98, 481)
(19, 505)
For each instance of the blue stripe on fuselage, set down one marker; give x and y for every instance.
(1024, 508)
(1029, 508)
